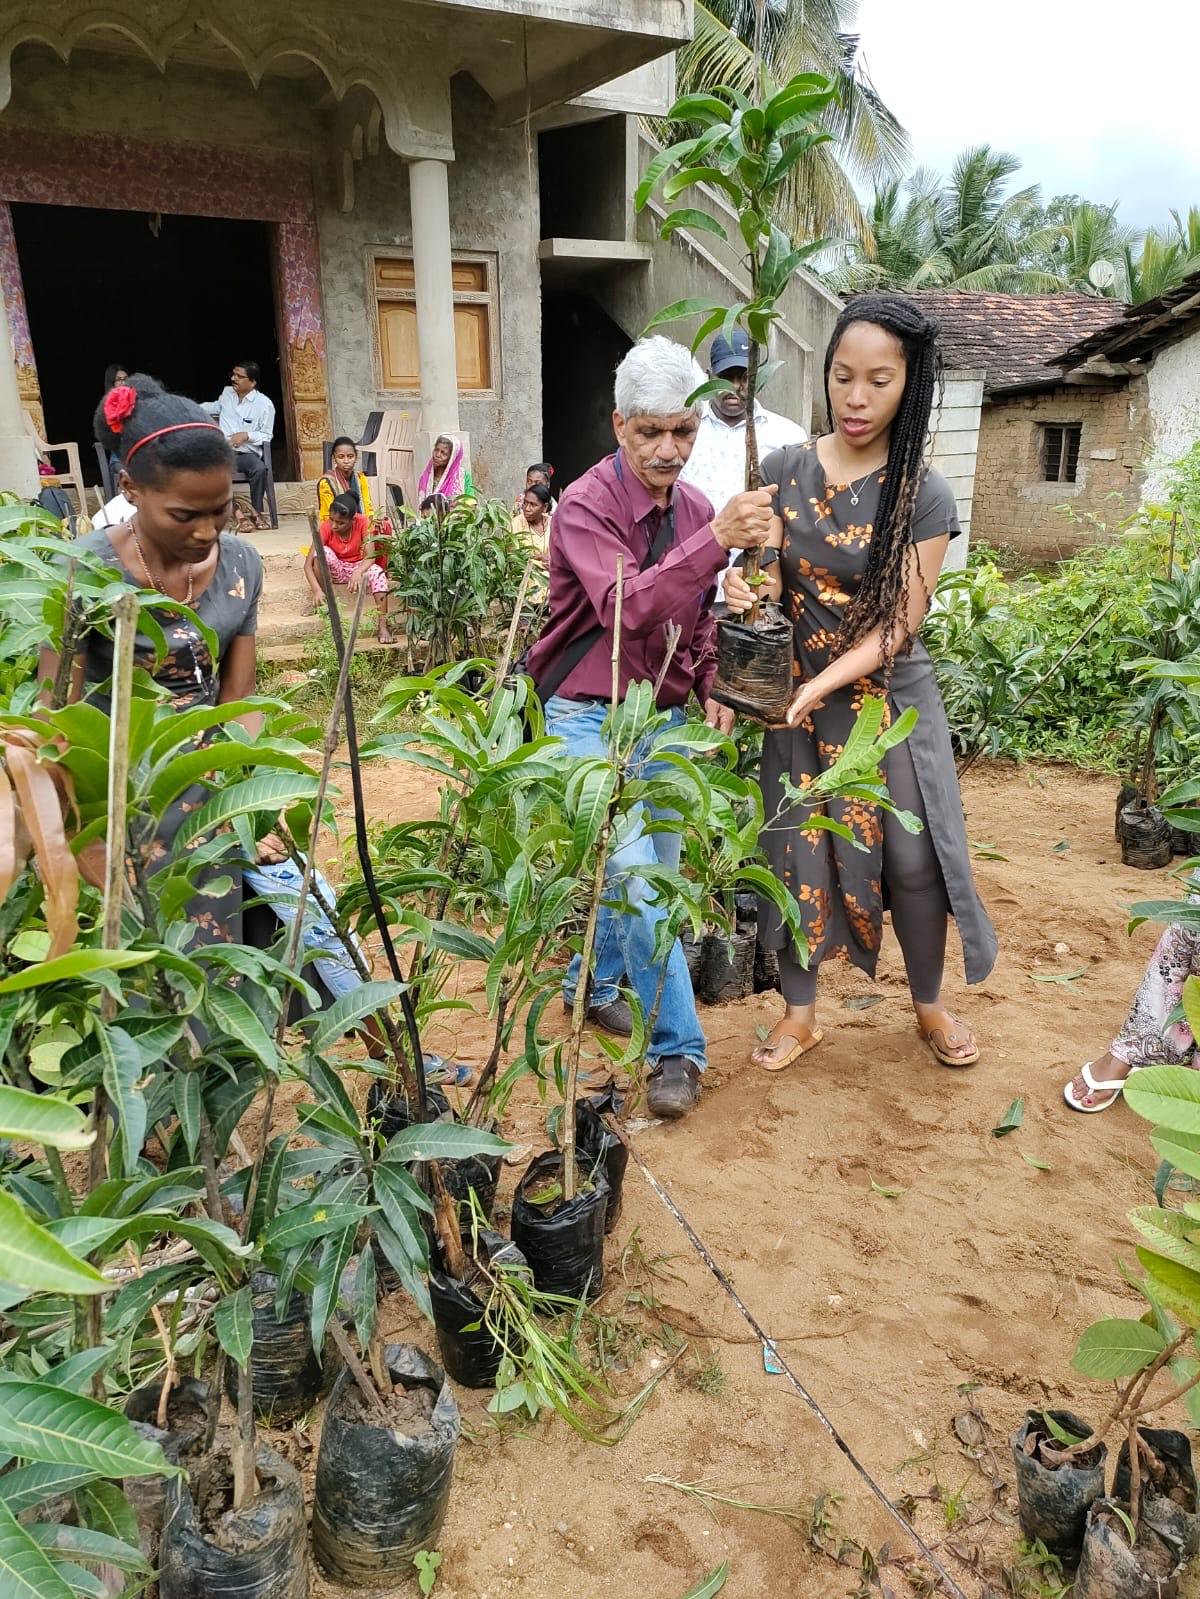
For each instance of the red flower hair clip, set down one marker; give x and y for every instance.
(118, 404)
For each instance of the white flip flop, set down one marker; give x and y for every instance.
(1115, 1086)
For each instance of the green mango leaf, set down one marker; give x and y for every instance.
(711, 1585)
(105, 1508)
(268, 794)
(29, 1486)
(31, 1257)
(302, 1223)
(42, 1119)
(232, 1014)
(1011, 1120)
(234, 1323)
(662, 162)
(79, 963)
(591, 808)
(85, 1543)
(335, 1257)
(1117, 1348)
(1177, 1286)
(1167, 1232)
(187, 770)
(26, 1572)
(187, 1106)
(121, 1075)
(707, 109)
(1178, 1150)
(689, 217)
(350, 1008)
(1167, 1096)
(40, 1422)
(366, 1297)
(437, 1141)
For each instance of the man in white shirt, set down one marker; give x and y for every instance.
(247, 419)
(717, 464)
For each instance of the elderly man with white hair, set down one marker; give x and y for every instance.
(632, 507)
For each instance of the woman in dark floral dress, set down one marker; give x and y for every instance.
(178, 472)
(862, 529)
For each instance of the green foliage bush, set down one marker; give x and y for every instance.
(993, 638)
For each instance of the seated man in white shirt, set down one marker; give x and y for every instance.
(247, 419)
(717, 464)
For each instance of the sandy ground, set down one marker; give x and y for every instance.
(969, 1287)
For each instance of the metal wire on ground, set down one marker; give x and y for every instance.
(949, 1585)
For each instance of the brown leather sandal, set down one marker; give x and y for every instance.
(801, 1046)
(940, 1043)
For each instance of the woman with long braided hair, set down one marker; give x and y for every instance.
(862, 528)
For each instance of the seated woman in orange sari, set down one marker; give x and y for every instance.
(349, 540)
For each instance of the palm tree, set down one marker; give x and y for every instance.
(1160, 264)
(965, 233)
(904, 253)
(981, 231)
(1074, 248)
(869, 146)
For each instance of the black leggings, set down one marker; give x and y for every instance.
(916, 896)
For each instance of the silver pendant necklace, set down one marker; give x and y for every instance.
(855, 492)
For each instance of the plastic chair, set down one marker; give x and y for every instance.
(74, 472)
(106, 477)
(395, 456)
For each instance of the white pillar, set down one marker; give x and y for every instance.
(18, 458)
(435, 295)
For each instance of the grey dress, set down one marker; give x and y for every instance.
(840, 889)
(229, 605)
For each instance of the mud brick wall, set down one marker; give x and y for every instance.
(1015, 508)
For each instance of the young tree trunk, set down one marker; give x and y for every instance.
(579, 1009)
(750, 562)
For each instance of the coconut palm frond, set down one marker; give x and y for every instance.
(803, 36)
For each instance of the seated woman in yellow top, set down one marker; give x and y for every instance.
(343, 478)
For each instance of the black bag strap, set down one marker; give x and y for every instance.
(575, 651)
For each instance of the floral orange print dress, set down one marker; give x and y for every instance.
(842, 890)
(229, 605)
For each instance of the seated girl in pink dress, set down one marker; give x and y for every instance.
(348, 537)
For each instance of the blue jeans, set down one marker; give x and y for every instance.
(625, 938)
(279, 885)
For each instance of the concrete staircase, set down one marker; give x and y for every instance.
(287, 628)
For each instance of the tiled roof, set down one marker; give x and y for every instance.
(1013, 336)
(1144, 328)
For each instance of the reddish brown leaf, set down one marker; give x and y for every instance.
(41, 808)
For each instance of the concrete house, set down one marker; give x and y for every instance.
(404, 205)
(1155, 349)
(1046, 437)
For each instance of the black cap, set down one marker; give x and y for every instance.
(727, 355)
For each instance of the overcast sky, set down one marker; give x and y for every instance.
(1099, 99)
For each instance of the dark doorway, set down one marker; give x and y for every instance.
(180, 297)
(581, 347)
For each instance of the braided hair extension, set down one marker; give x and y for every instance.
(882, 597)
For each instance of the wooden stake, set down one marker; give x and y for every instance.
(505, 660)
(125, 610)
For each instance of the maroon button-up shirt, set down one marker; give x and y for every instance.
(604, 515)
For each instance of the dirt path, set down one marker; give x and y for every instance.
(975, 1280)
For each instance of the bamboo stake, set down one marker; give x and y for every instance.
(363, 843)
(245, 1475)
(296, 932)
(125, 611)
(358, 1371)
(505, 660)
(579, 1009)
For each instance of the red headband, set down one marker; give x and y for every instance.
(175, 427)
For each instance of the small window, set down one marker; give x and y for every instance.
(473, 281)
(1060, 451)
